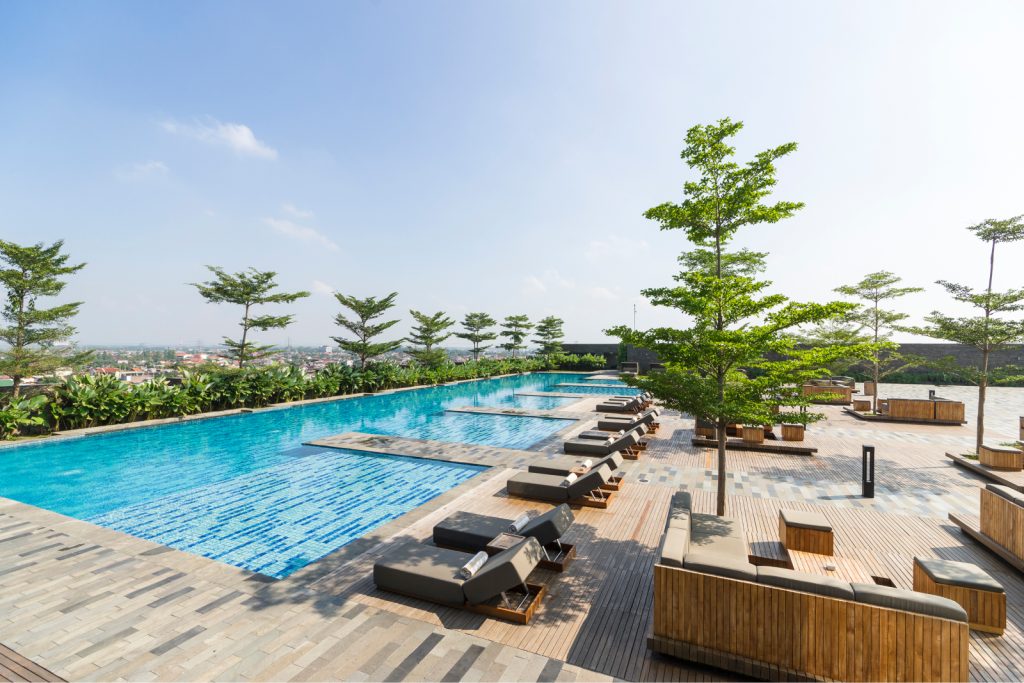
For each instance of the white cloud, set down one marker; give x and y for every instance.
(534, 285)
(604, 294)
(236, 136)
(551, 279)
(295, 211)
(143, 169)
(300, 232)
(600, 251)
(321, 287)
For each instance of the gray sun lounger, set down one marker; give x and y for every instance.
(432, 574)
(586, 490)
(472, 532)
(616, 407)
(601, 435)
(564, 464)
(624, 443)
(611, 423)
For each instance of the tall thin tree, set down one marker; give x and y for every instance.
(363, 326)
(515, 328)
(33, 335)
(478, 330)
(428, 332)
(247, 289)
(549, 335)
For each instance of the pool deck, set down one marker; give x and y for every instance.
(87, 603)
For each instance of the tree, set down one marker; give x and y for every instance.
(428, 333)
(247, 289)
(549, 335)
(477, 326)
(987, 332)
(33, 334)
(718, 368)
(873, 289)
(365, 330)
(515, 328)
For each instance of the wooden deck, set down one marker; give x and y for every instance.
(14, 667)
(88, 603)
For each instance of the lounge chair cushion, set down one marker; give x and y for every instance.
(962, 574)
(422, 571)
(550, 526)
(805, 520)
(589, 481)
(908, 601)
(720, 565)
(592, 447)
(1012, 495)
(674, 545)
(468, 530)
(804, 582)
(564, 464)
(538, 486)
(504, 571)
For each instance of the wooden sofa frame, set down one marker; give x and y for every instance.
(779, 634)
(1003, 522)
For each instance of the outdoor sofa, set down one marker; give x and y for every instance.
(713, 606)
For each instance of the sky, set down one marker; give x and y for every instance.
(498, 157)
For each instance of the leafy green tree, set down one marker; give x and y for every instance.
(427, 334)
(718, 368)
(549, 335)
(991, 330)
(363, 326)
(33, 334)
(478, 326)
(879, 322)
(515, 328)
(247, 289)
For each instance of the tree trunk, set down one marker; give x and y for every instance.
(16, 387)
(982, 386)
(245, 332)
(722, 436)
(874, 398)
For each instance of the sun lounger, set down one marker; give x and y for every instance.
(430, 573)
(633, 406)
(565, 464)
(585, 490)
(600, 435)
(613, 423)
(627, 444)
(472, 532)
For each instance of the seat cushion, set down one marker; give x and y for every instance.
(539, 486)
(422, 571)
(468, 530)
(506, 570)
(908, 601)
(729, 546)
(702, 524)
(805, 520)
(804, 582)
(679, 510)
(674, 545)
(962, 574)
(1012, 495)
(589, 481)
(549, 526)
(720, 565)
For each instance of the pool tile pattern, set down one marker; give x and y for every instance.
(275, 521)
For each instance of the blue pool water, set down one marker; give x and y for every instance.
(574, 387)
(179, 472)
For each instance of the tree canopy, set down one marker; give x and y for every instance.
(363, 327)
(549, 335)
(478, 330)
(426, 335)
(515, 328)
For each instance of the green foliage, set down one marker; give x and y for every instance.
(717, 368)
(22, 414)
(247, 289)
(427, 333)
(569, 361)
(31, 333)
(515, 328)
(549, 335)
(363, 328)
(478, 326)
(990, 330)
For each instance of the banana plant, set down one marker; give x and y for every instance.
(21, 414)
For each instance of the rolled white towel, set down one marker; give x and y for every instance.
(569, 479)
(518, 523)
(473, 566)
(588, 463)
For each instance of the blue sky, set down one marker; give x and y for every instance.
(486, 156)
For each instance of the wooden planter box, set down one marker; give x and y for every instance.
(869, 388)
(705, 430)
(861, 405)
(986, 610)
(949, 411)
(1003, 522)
(754, 434)
(838, 395)
(912, 408)
(1001, 458)
(1021, 427)
(792, 432)
(805, 540)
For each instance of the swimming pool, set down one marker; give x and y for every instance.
(112, 478)
(612, 389)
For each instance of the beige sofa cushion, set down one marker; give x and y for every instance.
(804, 582)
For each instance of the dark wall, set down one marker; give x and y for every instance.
(964, 355)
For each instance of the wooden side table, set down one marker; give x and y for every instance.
(503, 541)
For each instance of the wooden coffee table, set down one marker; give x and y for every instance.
(846, 569)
